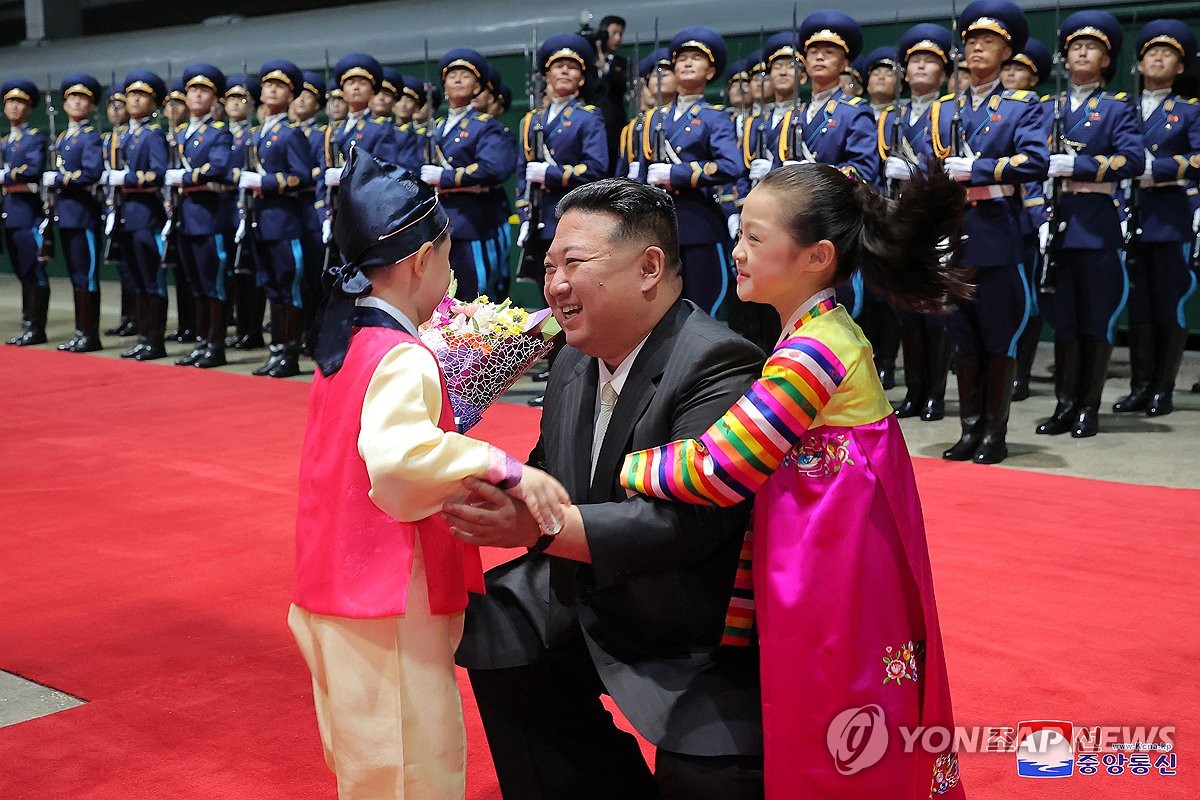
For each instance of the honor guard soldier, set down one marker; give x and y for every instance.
(880, 66)
(189, 329)
(139, 180)
(77, 212)
(335, 106)
(471, 154)
(562, 145)
(992, 140)
(303, 113)
(487, 91)
(205, 147)
(760, 141)
(759, 91)
(389, 92)
(1026, 70)
(1161, 279)
(656, 78)
(118, 119)
(360, 78)
(690, 149)
(907, 147)
(1100, 145)
(412, 97)
(285, 171)
(24, 159)
(503, 241)
(248, 297)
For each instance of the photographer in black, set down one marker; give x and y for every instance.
(608, 81)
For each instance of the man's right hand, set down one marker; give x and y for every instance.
(333, 176)
(759, 168)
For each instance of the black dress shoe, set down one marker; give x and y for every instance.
(190, 358)
(133, 351)
(25, 327)
(1161, 404)
(1061, 422)
(934, 410)
(276, 351)
(542, 376)
(69, 345)
(151, 351)
(250, 341)
(537, 402)
(992, 450)
(31, 336)
(1086, 424)
(211, 357)
(1196, 387)
(888, 378)
(1020, 390)
(87, 343)
(908, 408)
(1137, 400)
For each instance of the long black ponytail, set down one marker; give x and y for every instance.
(906, 248)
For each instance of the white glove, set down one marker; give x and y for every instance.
(240, 233)
(173, 177)
(1196, 221)
(659, 174)
(333, 176)
(1148, 172)
(899, 169)
(523, 234)
(1125, 229)
(116, 177)
(431, 174)
(1062, 165)
(43, 226)
(959, 168)
(48, 178)
(166, 230)
(1044, 237)
(635, 171)
(250, 180)
(326, 231)
(759, 168)
(735, 226)
(110, 222)
(535, 171)
(3, 174)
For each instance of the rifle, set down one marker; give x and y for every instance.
(536, 134)
(50, 198)
(1048, 272)
(760, 150)
(243, 260)
(431, 123)
(893, 185)
(635, 95)
(658, 142)
(174, 161)
(112, 198)
(332, 155)
(956, 134)
(794, 124)
(1133, 218)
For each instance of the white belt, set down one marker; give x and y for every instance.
(1085, 187)
(993, 192)
(1150, 183)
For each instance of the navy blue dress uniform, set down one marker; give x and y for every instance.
(139, 179)
(759, 135)
(574, 150)
(473, 154)
(1160, 275)
(286, 172)
(499, 248)
(174, 112)
(699, 154)
(374, 134)
(111, 141)
(923, 337)
(247, 296)
(77, 211)
(835, 128)
(1037, 59)
(205, 150)
(1103, 144)
(1002, 144)
(24, 157)
(629, 142)
(314, 210)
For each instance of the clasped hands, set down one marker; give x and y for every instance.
(513, 517)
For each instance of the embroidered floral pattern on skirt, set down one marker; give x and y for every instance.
(900, 663)
(819, 455)
(945, 774)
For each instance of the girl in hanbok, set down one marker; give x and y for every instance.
(841, 594)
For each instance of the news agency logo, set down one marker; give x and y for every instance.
(1045, 749)
(857, 738)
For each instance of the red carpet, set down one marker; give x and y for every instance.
(146, 554)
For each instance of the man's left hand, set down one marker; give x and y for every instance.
(659, 175)
(490, 518)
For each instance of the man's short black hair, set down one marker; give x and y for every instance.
(611, 19)
(644, 214)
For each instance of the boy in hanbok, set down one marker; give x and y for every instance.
(842, 594)
(380, 584)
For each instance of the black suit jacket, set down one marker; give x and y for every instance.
(651, 605)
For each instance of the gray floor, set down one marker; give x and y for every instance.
(1131, 448)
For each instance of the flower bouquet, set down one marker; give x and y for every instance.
(482, 348)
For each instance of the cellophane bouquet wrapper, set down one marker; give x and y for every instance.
(483, 348)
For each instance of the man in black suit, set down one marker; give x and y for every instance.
(608, 82)
(629, 599)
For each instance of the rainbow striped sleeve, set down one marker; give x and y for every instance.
(734, 457)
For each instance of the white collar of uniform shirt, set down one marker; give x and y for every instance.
(556, 107)
(455, 116)
(271, 120)
(801, 311)
(1081, 92)
(134, 124)
(919, 104)
(684, 102)
(390, 310)
(194, 124)
(1151, 99)
(74, 127)
(980, 93)
(616, 378)
(818, 102)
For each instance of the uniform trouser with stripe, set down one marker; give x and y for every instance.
(1160, 283)
(80, 251)
(1090, 290)
(706, 271)
(23, 245)
(143, 250)
(471, 265)
(992, 321)
(203, 260)
(281, 270)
